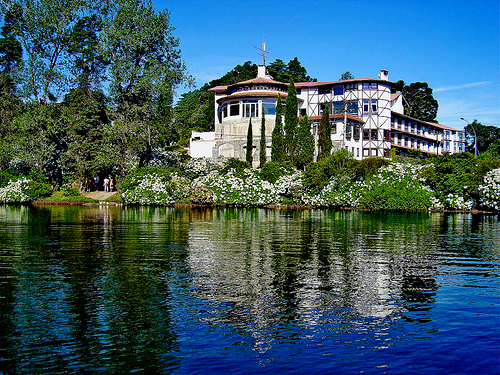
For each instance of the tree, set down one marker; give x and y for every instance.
(305, 144)
(11, 51)
(293, 71)
(87, 61)
(291, 121)
(346, 75)
(145, 68)
(486, 138)
(324, 135)
(249, 156)
(277, 152)
(262, 150)
(421, 102)
(42, 27)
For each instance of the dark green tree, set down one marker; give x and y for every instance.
(262, 149)
(278, 138)
(11, 52)
(249, 156)
(487, 138)
(346, 75)
(293, 71)
(305, 144)
(291, 121)
(421, 102)
(324, 135)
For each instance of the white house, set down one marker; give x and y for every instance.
(366, 118)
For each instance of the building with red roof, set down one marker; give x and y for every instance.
(366, 117)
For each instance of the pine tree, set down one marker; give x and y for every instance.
(305, 144)
(324, 135)
(249, 156)
(262, 151)
(277, 152)
(291, 121)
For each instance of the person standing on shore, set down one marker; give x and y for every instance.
(106, 185)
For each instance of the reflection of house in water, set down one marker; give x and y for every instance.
(271, 268)
(366, 118)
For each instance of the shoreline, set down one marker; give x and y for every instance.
(269, 206)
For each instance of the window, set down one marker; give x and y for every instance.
(351, 86)
(387, 135)
(338, 107)
(366, 106)
(334, 128)
(374, 106)
(366, 152)
(234, 108)
(352, 107)
(250, 110)
(373, 86)
(338, 90)
(366, 85)
(325, 89)
(302, 111)
(269, 108)
(366, 134)
(374, 134)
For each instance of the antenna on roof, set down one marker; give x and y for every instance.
(263, 51)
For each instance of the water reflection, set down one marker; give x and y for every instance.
(86, 289)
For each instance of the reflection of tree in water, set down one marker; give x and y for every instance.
(92, 287)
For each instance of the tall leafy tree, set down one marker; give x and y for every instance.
(305, 144)
(278, 138)
(262, 148)
(421, 102)
(249, 156)
(291, 121)
(42, 27)
(11, 51)
(324, 135)
(145, 68)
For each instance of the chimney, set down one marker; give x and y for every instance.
(384, 75)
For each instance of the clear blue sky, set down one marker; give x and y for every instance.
(454, 46)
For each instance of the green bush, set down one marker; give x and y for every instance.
(369, 166)
(318, 175)
(272, 171)
(70, 192)
(238, 166)
(38, 190)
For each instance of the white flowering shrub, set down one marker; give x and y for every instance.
(457, 202)
(236, 188)
(160, 157)
(197, 167)
(15, 191)
(489, 191)
(290, 189)
(341, 192)
(155, 188)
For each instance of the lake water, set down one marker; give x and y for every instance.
(247, 291)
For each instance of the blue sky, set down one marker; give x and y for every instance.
(454, 46)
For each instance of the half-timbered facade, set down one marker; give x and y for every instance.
(367, 119)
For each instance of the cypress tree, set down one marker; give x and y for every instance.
(305, 144)
(249, 157)
(277, 153)
(262, 151)
(324, 135)
(291, 121)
